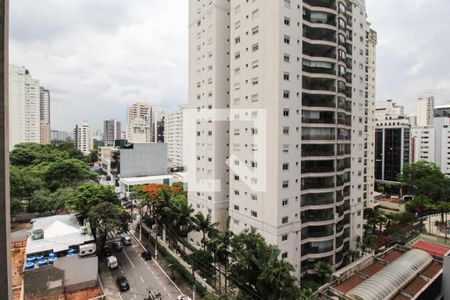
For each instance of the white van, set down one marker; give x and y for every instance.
(111, 262)
(87, 249)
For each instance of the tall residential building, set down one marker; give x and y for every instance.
(369, 143)
(441, 124)
(412, 120)
(45, 115)
(111, 132)
(304, 65)
(83, 137)
(57, 135)
(392, 141)
(24, 107)
(173, 131)
(425, 104)
(138, 123)
(422, 144)
(157, 124)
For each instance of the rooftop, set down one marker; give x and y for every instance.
(431, 248)
(398, 273)
(59, 233)
(143, 179)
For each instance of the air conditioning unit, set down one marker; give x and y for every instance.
(37, 234)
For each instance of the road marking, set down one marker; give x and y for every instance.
(129, 258)
(120, 296)
(158, 265)
(142, 279)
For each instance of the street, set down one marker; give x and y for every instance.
(142, 275)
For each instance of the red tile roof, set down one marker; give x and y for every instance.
(349, 283)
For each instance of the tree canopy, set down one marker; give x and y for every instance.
(90, 195)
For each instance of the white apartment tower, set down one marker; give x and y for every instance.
(305, 65)
(83, 137)
(173, 137)
(24, 107)
(45, 115)
(425, 105)
(138, 123)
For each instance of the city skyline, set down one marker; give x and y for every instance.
(102, 75)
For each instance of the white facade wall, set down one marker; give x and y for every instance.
(44, 97)
(174, 137)
(442, 143)
(83, 137)
(138, 123)
(423, 144)
(425, 104)
(24, 107)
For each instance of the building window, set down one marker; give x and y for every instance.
(285, 130)
(254, 197)
(284, 202)
(287, 21)
(284, 255)
(284, 237)
(255, 30)
(286, 112)
(255, 47)
(287, 40)
(286, 58)
(236, 192)
(236, 207)
(285, 184)
(284, 220)
(285, 94)
(254, 214)
(286, 76)
(285, 166)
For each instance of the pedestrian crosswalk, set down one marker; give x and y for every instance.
(114, 235)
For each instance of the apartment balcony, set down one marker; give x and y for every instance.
(317, 183)
(317, 166)
(313, 100)
(319, 68)
(330, 4)
(324, 134)
(319, 50)
(317, 233)
(319, 34)
(323, 150)
(319, 84)
(317, 216)
(343, 149)
(314, 248)
(318, 117)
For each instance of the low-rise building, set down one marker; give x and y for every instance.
(398, 273)
(60, 258)
(392, 206)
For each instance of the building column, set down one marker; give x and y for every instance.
(5, 226)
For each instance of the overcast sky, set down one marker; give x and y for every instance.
(98, 56)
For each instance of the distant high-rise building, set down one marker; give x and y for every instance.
(422, 144)
(441, 124)
(24, 107)
(111, 132)
(61, 136)
(173, 133)
(425, 104)
(83, 137)
(45, 115)
(157, 124)
(307, 72)
(392, 141)
(412, 120)
(138, 123)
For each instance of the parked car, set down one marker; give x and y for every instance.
(183, 297)
(107, 251)
(122, 283)
(111, 262)
(146, 255)
(126, 240)
(117, 245)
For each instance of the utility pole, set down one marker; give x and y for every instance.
(155, 228)
(193, 287)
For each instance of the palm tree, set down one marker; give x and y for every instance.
(323, 269)
(205, 226)
(179, 219)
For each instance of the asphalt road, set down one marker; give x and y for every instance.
(142, 275)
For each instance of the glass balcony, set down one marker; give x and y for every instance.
(317, 231)
(317, 183)
(317, 166)
(319, 34)
(342, 164)
(317, 150)
(319, 17)
(315, 50)
(331, 4)
(321, 134)
(318, 67)
(317, 199)
(317, 247)
(318, 117)
(317, 215)
(318, 100)
(319, 84)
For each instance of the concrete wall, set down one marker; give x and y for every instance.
(80, 273)
(446, 278)
(143, 160)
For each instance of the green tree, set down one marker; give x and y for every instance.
(44, 201)
(202, 261)
(106, 217)
(323, 270)
(420, 204)
(68, 172)
(425, 179)
(24, 182)
(16, 206)
(205, 226)
(256, 270)
(89, 195)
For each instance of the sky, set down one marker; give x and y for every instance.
(98, 57)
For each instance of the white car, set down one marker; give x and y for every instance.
(183, 297)
(111, 262)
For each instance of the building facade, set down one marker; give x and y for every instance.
(423, 144)
(425, 104)
(44, 97)
(83, 137)
(305, 65)
(173, 131)
(441, 124)
(58, 135)
(24, 107)
(139, 123)
(111, 132)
